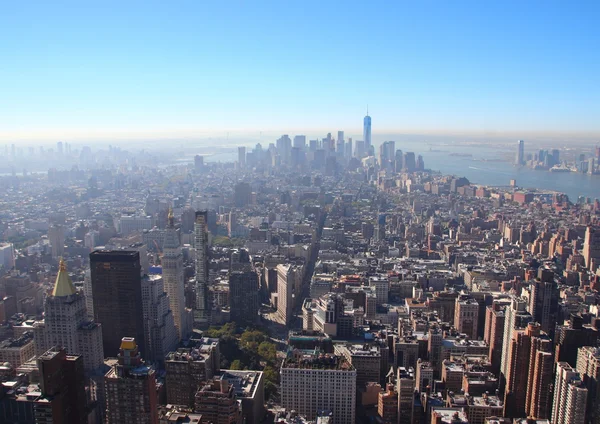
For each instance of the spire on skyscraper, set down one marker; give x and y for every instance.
(171, 218)
(63, 285)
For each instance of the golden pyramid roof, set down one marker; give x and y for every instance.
(63, 285)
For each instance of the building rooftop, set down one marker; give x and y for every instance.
(113, 255)
(314, 360)
(189, 354)
(26, 338)
(245, 383)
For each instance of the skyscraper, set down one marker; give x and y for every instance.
(187, 368)
(242, 193)
(300, 142)
(387, 151)
(466, 315)
(130, 388)
(406, 395)
(161, 334)
(217, 402)
(172, 271)
(494, 331)
(543, 303)
(62, 384)
(529, 375)
(570, 396)
(348, 149)
(117, 293)
(198, 163)
(242, 156)
(520, 160)
(56, 236)
(591, 248)
(588, 366)
(201, 311)
(359, 150)
(243, 296)
(340, 145)
(367, 133)
(66, 324)
(409, 162)
(285, 291)
(516, 317)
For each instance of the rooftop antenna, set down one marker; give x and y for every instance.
(367, 110)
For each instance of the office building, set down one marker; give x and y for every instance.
(538, 401)
(117, 294)
(520, 159)
(381, 284)
(570, 396)
(242, 157)
(217, 402)
(367, 134)
(409, 162)
(173, 277)
(366, 360)
(134, 224)
(17, 351)
(423, 376)
(285, 291)
(348, 149)
(387, 151)
(588, 367)
(56, 237)
(466, 316)
(543, 303)
(527, 391)
(161, 334)
(340, 145)
(187, 368)
(591, 248)
(66, 324)
(406, 395)
(243, 296)
(62, 385)
(198, 163)
(569, 338)
(300, 142)
(249, 389)
(359, 150)
(444, 415)
(201, 310)
(7, 256)
(311, 381)
(494, 331)
(387, 405)
(130, 388)
(516, 317)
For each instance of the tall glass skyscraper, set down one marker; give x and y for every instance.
(367, 133)
(520, 159)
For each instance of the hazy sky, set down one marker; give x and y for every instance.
(170, 68)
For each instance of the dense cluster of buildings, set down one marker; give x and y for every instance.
(394, 294)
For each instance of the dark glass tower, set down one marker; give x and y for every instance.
(117, 294)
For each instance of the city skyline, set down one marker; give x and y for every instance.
(261, 212)
(118, 70)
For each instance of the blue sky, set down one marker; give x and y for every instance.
(76, 69)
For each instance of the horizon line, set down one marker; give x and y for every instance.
(223, 134)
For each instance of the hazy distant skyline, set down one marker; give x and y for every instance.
(77, 71)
